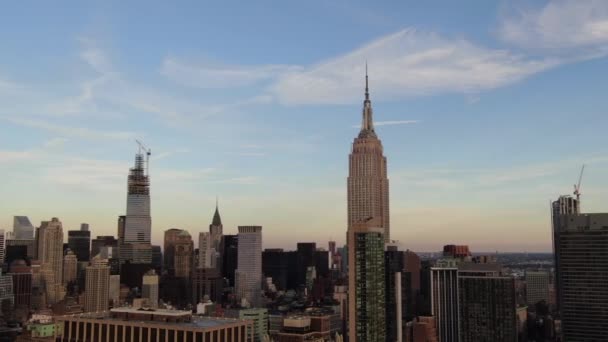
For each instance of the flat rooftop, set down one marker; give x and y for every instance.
(196, 322)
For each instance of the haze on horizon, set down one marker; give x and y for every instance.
(486, 114)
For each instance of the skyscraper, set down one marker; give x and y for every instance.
(564, 205)
(204, 250)
(70, 267)
(487, 304)
(444, 299)
(230, 256)
(2, 246)
(22, 284)
(79, 241)
(178, 252)
(138, 222)
(97, 290)
(22, 228)
(366, 282)
(537, 286)
(581, 268)
(50, 254)
(216, 231)
(394, 266)
(150, 288)
(367, 178)
(102, 241)
(248, 276)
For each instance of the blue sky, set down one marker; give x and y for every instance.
(486, 110)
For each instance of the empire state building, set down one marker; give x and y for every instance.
(367, 180)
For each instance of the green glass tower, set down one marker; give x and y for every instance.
(367, 321)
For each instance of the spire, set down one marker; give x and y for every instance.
(366, 84)
(217, 220)
(367, 125)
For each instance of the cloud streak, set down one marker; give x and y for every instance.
(74, 131)
(408, 63)
(219, 76)
(559, 25)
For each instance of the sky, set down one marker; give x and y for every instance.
(486, 109)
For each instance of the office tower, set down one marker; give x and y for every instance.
(581, 268)
(537, 286)
(150, 288)
(321, 259)
(114, 290)
(444, 299)
(134, 325)
(204, 250)
(367, 180)
(564, 205)
(248, 276)
(79, 241)
(7, 298)
(487, 304)
(2, 246)
(206, 282)
(216, 231)
(366, 298)
(84, 226)
(22, 284)
(102, 241)
(230, 248)
(412, 267)
(22, 228)
(97, 292)
(121, 229)
(305, 257)
(179, 250)
(275, 264)
(138, 222)
(22, 249)
(50, 254)
(70, 267)
(157, 259)
(394, 266)
(21, 274)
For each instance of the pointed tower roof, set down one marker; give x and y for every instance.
(217, 220)
(367, 124)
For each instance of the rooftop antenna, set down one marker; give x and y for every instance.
(142, 148)
(577, 187)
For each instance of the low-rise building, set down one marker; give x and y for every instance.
(149, 325)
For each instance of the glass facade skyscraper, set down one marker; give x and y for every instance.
(366, 282)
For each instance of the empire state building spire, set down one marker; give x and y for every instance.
(367, 124)
(368, 193)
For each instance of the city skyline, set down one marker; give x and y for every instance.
(483, 122)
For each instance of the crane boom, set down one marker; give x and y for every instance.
(577, 187)
(143, 148)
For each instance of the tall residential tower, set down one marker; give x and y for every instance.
(367, 179)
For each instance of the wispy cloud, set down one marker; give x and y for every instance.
(391, 123)
(74, 131)
(167, 154)
(408, 63)
(559, 25)
(207, 75)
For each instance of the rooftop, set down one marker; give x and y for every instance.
(196, 322)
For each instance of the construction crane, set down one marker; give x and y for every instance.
(577, 187)
(148, 151)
